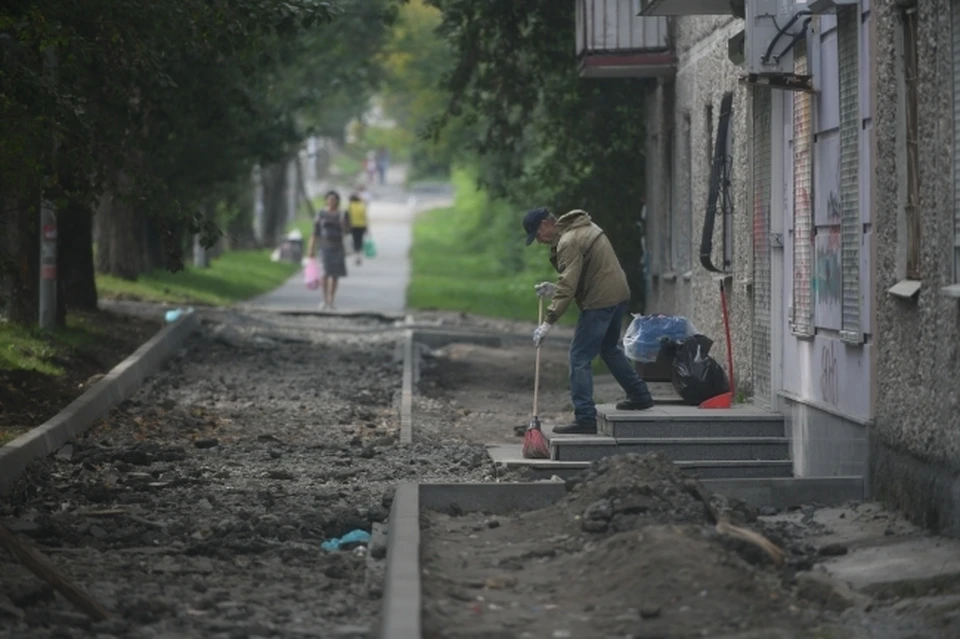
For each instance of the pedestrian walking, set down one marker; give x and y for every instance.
(383, 162)
(370, 166)
(329, 228)
(364, 193)
(591, 276)
(357, 215)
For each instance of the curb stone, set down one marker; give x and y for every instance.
(400, 618)
(119, 384)
(406, 394)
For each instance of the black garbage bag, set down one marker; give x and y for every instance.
(696, 376)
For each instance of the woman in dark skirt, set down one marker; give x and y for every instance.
(329, 229)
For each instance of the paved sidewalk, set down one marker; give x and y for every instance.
(380, 284)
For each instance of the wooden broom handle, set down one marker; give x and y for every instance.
(536, 370)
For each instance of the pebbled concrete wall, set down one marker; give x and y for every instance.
(680, 285)
(915, 444)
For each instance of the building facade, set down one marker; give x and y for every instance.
(843, 244)
(915, 443)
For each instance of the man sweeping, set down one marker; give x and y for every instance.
(589, 274)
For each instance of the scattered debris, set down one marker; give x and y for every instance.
(200, 541)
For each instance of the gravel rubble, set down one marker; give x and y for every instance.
(197, 508)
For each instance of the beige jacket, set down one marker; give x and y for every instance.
(590, 272)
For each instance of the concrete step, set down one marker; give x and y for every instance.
(511, 456)
(676, 421)
(589, 448)
(738, 469)
(780, 492)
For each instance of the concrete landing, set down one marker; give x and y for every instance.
(742, 412)
(678, 420)
(885, 555)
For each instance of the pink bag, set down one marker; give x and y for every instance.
(311, 274)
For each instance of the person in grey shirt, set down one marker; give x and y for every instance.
(329, 229)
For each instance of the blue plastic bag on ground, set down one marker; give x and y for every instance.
(646, 333)
(352, 538)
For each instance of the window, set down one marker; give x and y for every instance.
(909, 244)
(851, 124)
(802, 311)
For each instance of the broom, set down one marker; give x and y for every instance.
(534, 443)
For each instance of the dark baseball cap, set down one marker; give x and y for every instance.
(531, 222)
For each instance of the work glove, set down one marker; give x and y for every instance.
(540, 333)
(546, 289)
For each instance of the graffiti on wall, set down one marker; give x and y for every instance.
(828, 278)
(833, 208)
(827, 178)
(829, 377)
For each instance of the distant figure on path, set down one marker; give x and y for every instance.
(357, 214)
(370, 166)
(383, 161)
(363, 193)
(329, 228)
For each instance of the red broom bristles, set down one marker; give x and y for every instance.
(535, 445)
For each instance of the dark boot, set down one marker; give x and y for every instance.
(577, 428)
(632, 403)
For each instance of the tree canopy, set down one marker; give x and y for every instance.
(541, 135)
(152, 112)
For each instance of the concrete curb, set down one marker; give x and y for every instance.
(376, 315)
(406, 393)
(119, 384)
(400, 615)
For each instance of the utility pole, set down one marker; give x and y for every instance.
(48, 240)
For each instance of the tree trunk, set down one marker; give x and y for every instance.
(239, 229)
(120, 236)
(201, 259)
(274, 202)
(76, 285)
(302, 192)
(19, 258)
(153, 240)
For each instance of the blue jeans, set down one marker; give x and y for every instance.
(598, 333)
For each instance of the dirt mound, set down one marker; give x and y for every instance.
(631, 550)
(619, 493)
